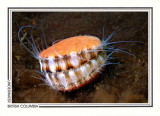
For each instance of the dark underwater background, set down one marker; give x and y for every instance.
(123, 83)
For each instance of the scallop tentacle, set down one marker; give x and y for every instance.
(35, 52)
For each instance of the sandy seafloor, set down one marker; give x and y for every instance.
(124, 83)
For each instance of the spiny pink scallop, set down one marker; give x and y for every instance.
(73, 62)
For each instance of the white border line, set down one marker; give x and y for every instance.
(149, 55)
(138, 9)
(10, 57)
(82, 10)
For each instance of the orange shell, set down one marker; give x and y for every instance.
(70, 45)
